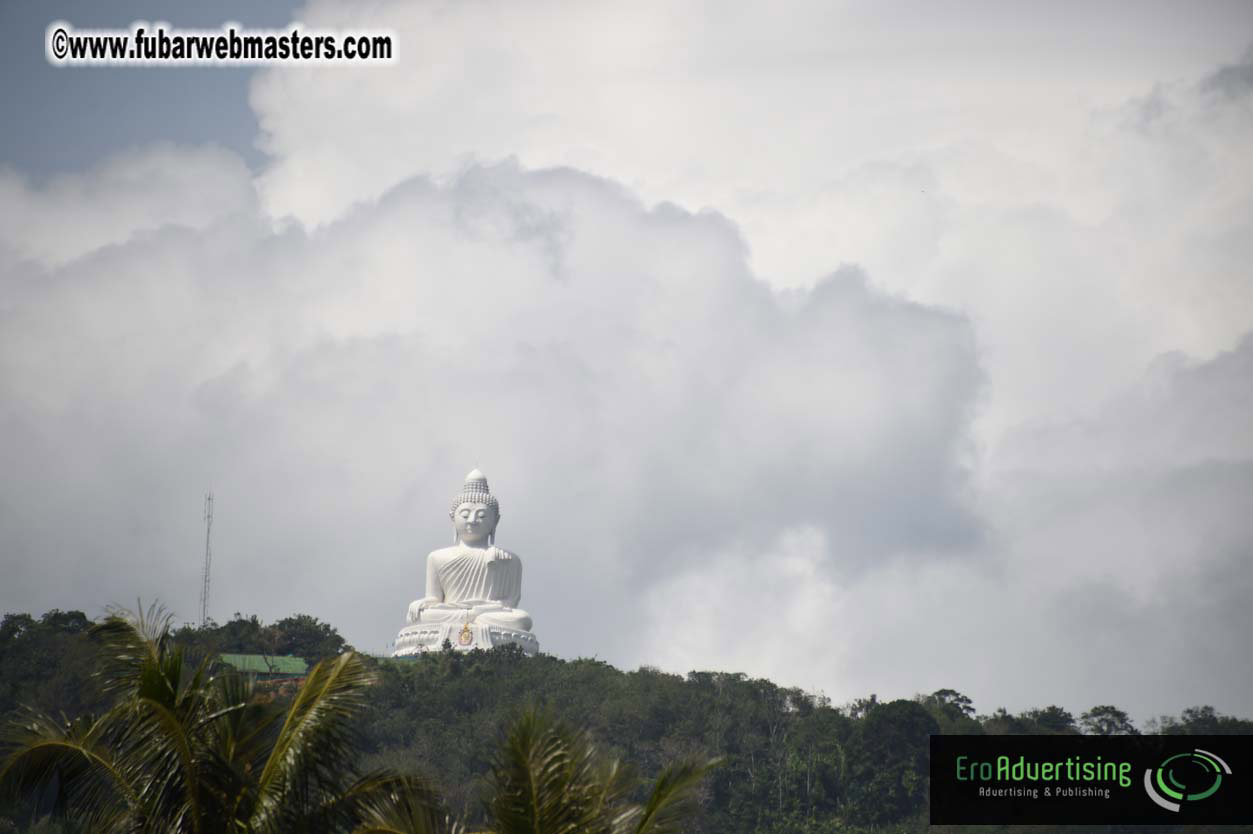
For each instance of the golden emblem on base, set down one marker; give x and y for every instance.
(465, 637)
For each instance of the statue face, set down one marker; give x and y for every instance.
(474, 522)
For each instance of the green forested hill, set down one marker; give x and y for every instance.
(785, 752)
(792, 761)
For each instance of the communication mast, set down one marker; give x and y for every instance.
(208, 555)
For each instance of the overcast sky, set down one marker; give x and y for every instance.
(875, 348)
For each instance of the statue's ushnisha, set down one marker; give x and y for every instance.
(472, 588)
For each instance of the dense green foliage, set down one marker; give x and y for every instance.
(792, 761)
(549, 779)
(301, 635)
(183, 750)
(180, 750)
(783, 751)
(47, 662)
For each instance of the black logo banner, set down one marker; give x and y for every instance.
(1091, 780)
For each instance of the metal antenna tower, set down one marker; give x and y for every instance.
(208, 555)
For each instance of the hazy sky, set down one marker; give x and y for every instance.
(874, 348)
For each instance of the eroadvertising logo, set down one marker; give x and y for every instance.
(1202, 776)
(1090, 780)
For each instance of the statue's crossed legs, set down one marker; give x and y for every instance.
(491, 613)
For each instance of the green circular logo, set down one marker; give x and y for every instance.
(1185, 777)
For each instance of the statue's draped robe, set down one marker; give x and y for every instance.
(465, 584)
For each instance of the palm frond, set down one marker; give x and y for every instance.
(133, 647)
(157, 741)
(614, 784)
(70, 767)
(237, 732)
(389, 803)
(672, 801)
(313, 745)
(548, 780)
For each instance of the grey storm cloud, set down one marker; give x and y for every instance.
(950, 390)
(679, 450)
(637, 398)
(1232, 80)
(1133, 524)
(1115, 561)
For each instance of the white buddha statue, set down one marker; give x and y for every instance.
(473, 587)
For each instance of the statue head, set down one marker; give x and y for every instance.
(475, 512)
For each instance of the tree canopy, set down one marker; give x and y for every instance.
(791, 761)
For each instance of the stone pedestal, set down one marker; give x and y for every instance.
(430, 637)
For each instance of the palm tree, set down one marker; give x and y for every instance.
(549, 779)
(185, 751)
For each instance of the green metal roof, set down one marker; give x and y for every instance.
(266, 664)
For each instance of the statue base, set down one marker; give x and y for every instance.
(430, 637)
